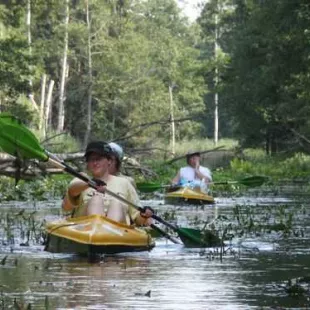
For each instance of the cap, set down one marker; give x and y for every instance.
(192, 152)
(98, 147)
(117, 150)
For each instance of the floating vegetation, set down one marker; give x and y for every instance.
(217, 253)
(248, 221)
(261, 220)
(21, 306)
(15, 304)
(296, 287)
(3, 260)
(22, 228)
(147, 294)
(169, 215)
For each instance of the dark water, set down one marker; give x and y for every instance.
(253, 274)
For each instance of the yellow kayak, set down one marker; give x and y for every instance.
(188, 196)
(95, 234)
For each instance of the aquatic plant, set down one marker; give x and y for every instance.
(23, 227)
(278, 221)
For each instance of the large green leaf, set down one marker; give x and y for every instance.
(18, 140)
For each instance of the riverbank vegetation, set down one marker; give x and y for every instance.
(278, 170)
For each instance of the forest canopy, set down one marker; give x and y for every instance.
(125, 69)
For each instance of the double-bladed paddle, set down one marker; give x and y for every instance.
(19, 141)
(253, 181)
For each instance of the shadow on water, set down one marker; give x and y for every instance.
(260, 269)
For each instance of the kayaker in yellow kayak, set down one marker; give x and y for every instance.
(83, 200)
(193, 175)
(116, 162)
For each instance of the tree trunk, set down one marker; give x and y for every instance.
(42, 103)
(90, 79)
(28, 25)
(172, 137)
(216, 78)
(48, 109)
(61, 105)
(114, 112)
(274, 144)
(29, 40)
(267, 146)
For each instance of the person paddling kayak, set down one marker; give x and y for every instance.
(193, 174)
(116, 162)
(83, 200)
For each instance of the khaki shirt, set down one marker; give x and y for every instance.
(130, 179)
(118, 185)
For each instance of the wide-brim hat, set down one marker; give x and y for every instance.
(192, 153)
(99, 147)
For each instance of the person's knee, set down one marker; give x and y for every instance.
(95, 205)
(117, 211)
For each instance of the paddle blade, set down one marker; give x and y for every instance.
(191, 237)
(145, 187)
(253, 181)
(18, 140)
(195, 238)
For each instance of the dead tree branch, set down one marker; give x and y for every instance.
(144, 126)
(201, 152)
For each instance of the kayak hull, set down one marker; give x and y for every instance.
(186, 195)
(95, 234)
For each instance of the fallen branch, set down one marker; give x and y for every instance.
(6, 158)
(147, 150)
(184, 155)
(28, 174)
(10, 166)
(299, 135)
(147, 125)
(146, 172)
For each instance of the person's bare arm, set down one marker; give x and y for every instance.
(141, 218)
(76, 187)
(176, 179)
(74, 190)
(67, 205)
(202, 176)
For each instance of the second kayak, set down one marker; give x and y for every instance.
(188, 196)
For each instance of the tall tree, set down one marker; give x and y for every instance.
(268, 61)
(64, 69)
(214, 24)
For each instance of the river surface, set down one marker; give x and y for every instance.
(256, 272)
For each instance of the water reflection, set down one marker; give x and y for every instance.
(252, 275)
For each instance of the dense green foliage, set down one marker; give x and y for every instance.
(263, 81)
(128, 54)
(138, 50)
(40, 189)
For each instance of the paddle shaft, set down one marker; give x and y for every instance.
(171, 238)
(224, 182)
(249, 181)
(53, 160)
